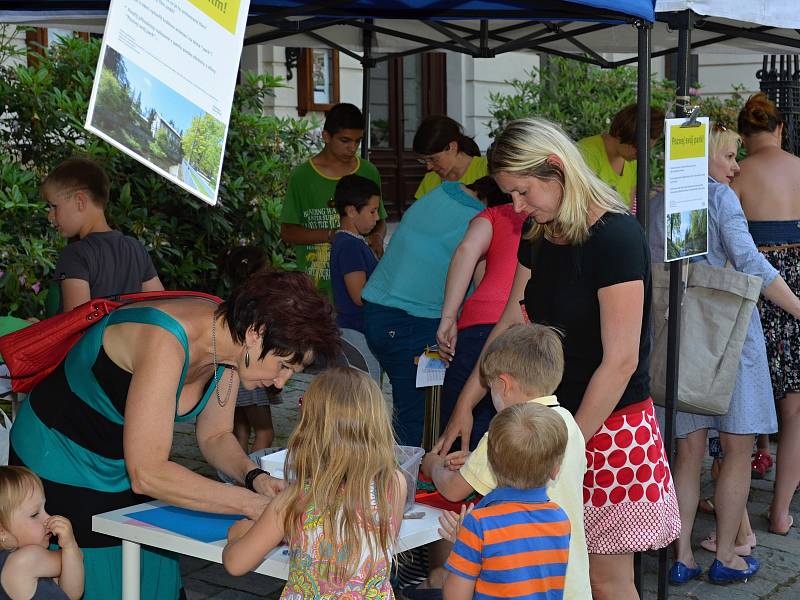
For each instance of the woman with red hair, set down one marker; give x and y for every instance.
(98, 430)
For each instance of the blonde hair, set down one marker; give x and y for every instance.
(721, 136)
(342, 465)
(526, 442)
(16, 485)
(523, 150)
(532, 354)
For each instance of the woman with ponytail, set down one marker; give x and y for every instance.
(768, 187)
(448, 154)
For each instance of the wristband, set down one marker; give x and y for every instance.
(251, 476)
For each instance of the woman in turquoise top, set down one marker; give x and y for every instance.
(98, 430)
(404, 295)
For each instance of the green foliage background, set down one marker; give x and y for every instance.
(43, 108)
(583, 99)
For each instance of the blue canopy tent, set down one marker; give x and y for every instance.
(372, 30)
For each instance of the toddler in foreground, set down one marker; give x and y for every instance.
(28, 569)
(342, 510)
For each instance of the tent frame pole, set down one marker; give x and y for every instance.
(367, 63)
(643, 123)
(642, 172)
(685, 23)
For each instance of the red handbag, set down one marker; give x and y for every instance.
(34, 352)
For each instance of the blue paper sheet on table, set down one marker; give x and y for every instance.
(202, 526)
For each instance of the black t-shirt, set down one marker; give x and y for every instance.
(562, 292)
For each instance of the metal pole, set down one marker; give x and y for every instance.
(675, 288)
(642, 173)
(366, 85)
(643, 124)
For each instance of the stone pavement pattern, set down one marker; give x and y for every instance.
(778, 579)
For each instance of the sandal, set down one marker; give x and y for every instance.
(710, 544)
(706, 505)
(762, 463)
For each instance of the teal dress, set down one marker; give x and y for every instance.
(70, 434)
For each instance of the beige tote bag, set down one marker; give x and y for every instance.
(716, 311)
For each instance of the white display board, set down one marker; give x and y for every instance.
(685, 188)
(164, 85)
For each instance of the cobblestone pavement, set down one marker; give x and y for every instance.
(778, 579)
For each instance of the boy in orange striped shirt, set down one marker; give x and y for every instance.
(515, 543)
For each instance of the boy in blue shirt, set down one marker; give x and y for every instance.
(357, 201)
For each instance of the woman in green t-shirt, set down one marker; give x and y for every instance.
(612, 155)
(448, 154)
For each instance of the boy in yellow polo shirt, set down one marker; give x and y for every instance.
(523, 364)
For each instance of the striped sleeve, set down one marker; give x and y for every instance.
(465, 558)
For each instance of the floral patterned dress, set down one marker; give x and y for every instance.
(308, 562)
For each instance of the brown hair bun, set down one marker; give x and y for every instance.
(758, 114)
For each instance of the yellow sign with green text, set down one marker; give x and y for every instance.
(687, 142)
(224, 12)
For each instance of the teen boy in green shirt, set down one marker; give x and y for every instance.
(308, 220)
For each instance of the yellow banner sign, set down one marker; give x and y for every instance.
(224, 12)
(687, 142)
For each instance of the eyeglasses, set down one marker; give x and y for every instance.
(719, 127)
(431, 158)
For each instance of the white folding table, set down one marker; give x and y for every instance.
(413, 533)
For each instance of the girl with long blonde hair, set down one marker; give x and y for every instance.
(343, 506)
(584, 267)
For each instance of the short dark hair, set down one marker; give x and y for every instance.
(488, 191)
(623, 125)
(437, 131)
(526, 442)
(293, 317)
(78, 173)
(343, 116)
(243, 261)
(355, 191)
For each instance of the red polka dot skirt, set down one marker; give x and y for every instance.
(629, 500)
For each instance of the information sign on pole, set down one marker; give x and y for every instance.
(164, 85)
(686, 188)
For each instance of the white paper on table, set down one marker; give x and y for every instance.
(430, 371)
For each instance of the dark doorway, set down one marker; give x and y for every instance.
(404, 90)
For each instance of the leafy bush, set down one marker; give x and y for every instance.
(43, 108)
(723, 111)
(581, 98)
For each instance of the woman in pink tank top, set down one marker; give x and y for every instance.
(487, 257)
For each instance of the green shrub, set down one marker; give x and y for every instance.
(581, 98)
(724, 111)
(44, 108)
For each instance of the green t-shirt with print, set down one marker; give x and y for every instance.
(307, 203)
(594, 153)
